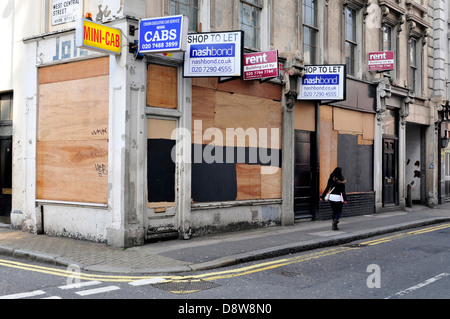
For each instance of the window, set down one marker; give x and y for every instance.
(250, 22)
(310, 31)
(415, 80)
(389, 44)
(387, 38)
(6, 107)
(350, 40)
(188, 8)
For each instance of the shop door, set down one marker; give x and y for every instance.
(389, 172)
(5, 178)
(304, 174)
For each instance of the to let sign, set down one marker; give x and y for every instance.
(166, 34)
(261, 65)
(381, 61)
(214, 54)
(98, 37)
(323, 82)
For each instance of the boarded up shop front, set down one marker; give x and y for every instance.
(235, 178)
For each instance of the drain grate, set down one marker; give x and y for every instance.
(186, 286)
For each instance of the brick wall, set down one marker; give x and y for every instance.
(357, 204)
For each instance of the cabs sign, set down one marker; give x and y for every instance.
(98, 37)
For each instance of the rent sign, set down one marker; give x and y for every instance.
(381, 61)
(98, 37)
(261, 65)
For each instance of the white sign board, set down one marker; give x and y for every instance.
(214, 54)
(64, 11)
(323, 82)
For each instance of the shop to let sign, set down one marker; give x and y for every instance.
(381, 61)
(214, 54)
(323, 82)
(261, 65)
(98, 37)
(167, 34)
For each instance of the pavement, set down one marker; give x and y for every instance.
(210, 252)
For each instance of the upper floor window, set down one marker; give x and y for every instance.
(310, 31)
(6, 107)
(250, 22)
(351, 44)
(415, 65)
(189, 8)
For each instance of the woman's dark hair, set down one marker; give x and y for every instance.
(338, 174)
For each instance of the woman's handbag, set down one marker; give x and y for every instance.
(327, 196)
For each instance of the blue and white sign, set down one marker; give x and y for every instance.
(214, 54)
(323, 82)
(166, 34)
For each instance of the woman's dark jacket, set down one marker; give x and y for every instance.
(339, 188)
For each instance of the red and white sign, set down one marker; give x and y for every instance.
(381, 61)
(261, 65)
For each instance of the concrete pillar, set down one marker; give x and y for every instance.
(126, 149)
(294, 70)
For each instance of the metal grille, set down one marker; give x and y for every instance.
(186, 286)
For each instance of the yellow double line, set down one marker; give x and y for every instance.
(71, 273)
(403, 235)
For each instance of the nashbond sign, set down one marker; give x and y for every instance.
(214, 54)
(323, 82)
(98, 37)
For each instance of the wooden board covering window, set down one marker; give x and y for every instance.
(162, 86)
(72, 132)
(233, 105)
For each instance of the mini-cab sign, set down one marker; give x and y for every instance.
(98, 37)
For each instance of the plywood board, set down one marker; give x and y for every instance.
(73, 132)
(73, 171)
(81, 114)
(74, 71)
(248, 181)
(161, 129)
(305, 116)
(203, 110)
(162, 86)
(328, 152)
(268, 91)
(347, 121)
(237, 111)
(271, 184)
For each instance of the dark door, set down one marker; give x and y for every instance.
(389, 172)
(304, 174)
(5, 178)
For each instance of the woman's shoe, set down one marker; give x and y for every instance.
(334, 226)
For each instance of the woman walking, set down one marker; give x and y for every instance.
(337, 197)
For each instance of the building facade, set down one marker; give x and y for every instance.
(122, 148)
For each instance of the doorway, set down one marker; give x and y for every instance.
(389, 172)
(305, 168)
(5, 178)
